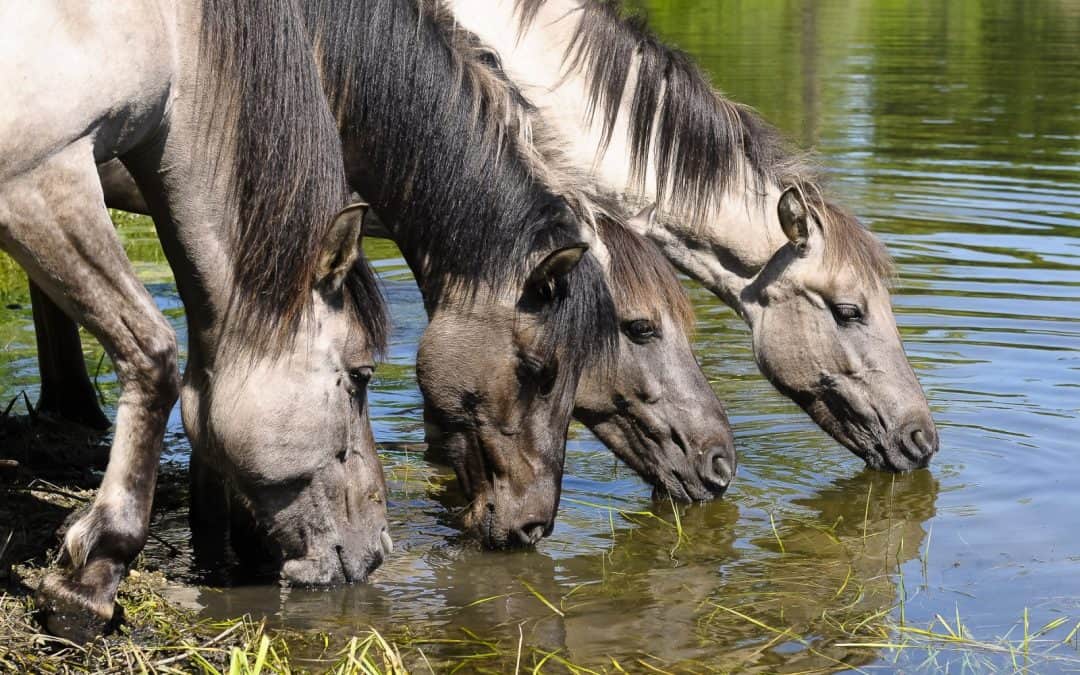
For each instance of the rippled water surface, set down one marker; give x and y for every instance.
(953, 129)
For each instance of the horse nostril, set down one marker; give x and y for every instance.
(925, 440)
(530, 533)
(919, 440)
(386, 542)
(718, 468)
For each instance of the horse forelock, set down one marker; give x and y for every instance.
(704, 145)
(848, 244)
(641, 277)
(269, 123)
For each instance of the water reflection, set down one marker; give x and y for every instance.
(643, 593)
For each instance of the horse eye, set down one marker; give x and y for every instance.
(546, 381)
(640, 330)
(361, 376)
(529, 368)
(541, 375)
(846, 313)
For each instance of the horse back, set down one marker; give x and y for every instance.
(70, 70)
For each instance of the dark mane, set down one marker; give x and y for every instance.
(641, 276)
(702, 143)
(436, 152)
(270, 121)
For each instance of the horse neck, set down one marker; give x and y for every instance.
(740, 224)
(465, 203)
(186, 199)
(185, 191)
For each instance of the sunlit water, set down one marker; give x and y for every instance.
(953, 129)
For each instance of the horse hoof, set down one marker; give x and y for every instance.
(69, 610)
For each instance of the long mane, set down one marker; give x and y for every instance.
(703, 144)
(639, 275)
(434, 146)
(274, 132)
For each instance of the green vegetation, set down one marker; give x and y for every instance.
(159, 638)
(12, 281)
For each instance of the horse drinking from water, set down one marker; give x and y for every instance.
(738, 211)
(283, 318)
(507, 341)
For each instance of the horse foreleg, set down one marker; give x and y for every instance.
(73, 254)
(66, 391)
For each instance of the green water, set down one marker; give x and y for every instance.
(953, 129)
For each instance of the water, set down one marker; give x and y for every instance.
(953, 129)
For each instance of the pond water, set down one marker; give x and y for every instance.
(953, 130)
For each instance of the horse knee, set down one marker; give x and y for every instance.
(152, 371)
(114, 527)
(163, 356)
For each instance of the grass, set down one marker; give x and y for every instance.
(1032, 651)
(160, 638)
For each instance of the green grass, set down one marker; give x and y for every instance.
(160, 638)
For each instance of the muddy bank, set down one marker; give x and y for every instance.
(49, 472)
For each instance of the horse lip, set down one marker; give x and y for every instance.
(676, 490)
(916, 459)
(901, 459)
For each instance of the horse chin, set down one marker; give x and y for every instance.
(293, 544)
(500, 515)
(480, 523)
(650, 457)
(335, 567)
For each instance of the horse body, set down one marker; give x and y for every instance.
(737, 211)
(125, 81)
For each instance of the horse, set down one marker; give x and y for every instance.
(735, 209)
(284, 317)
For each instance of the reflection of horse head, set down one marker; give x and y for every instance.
(838, 566)
(640, 578)
(315, 608)
(906, 500)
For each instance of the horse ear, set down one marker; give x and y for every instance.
(341, 247)
(644, 220)
(556, 265)
(794, 218)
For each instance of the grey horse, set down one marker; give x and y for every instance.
(284, 317)
(655, 409)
